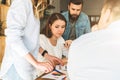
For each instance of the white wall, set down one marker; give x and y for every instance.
(64, 5)
(93, 7)
(56, 3)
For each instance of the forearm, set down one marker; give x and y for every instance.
(41, 50)
(31, 59)
(43, 66)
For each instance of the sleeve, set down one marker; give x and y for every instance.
(43, 41)
(43, 45)
(64, 50)
(16, 23)
(88, 27)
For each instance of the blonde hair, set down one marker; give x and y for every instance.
(114, 6)
(38, 7)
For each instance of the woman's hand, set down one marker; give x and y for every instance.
(46, 67)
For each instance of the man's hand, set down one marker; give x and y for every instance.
(94, 28)
(65, 60)
(67, 43)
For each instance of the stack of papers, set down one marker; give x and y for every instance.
(57, 74)
(54, 77)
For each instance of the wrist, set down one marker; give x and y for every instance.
(36, 64)
(44, 53)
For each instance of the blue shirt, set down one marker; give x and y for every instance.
(82, 25)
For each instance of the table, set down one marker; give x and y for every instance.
(46, 79)
(43, 78)
(55, 75)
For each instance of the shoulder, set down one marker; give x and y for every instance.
(65, 13)
(43, 40)
(42, 37)
(24, 4)
(83, 15)
(85, 39)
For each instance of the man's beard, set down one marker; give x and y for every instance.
(73, 17)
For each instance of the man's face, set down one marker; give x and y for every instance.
(74, 10)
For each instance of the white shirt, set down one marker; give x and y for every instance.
(22, 37)
(96, 55)
(57, 50)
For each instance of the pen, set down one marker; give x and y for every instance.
(58, 71)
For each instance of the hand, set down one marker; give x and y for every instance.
(65, 60)
(95, 27)
(46, 67)
(54, 60)
(67, 43)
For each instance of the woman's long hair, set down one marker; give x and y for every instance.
(38, 7)
(55, 16)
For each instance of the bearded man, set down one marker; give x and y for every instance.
(77, 21)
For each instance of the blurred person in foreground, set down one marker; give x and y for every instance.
(96, 55)
(22, 41)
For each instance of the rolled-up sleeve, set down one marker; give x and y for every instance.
(16, 23)
(88, 27)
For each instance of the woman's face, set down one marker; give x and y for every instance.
(57, 28)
